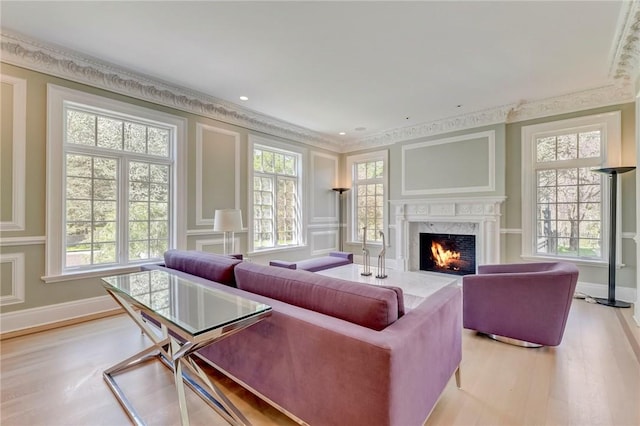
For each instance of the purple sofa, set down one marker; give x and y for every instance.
(528, 302)
(315, 264)
(334, 352)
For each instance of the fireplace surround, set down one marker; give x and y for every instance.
(478, 216)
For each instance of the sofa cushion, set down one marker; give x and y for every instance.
(362, 304)
(214, 267)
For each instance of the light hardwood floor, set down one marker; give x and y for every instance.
(593, 378)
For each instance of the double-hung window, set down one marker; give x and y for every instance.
(369, 195)
(276, 182)
(112, 183)
(564, 200)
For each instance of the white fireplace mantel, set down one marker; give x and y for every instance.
(476, 215)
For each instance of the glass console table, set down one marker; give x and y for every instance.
(190, 316)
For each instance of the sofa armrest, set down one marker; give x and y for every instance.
(283, 264)
(342, 254)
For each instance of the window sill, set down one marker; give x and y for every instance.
(577, 262)
(72, 276)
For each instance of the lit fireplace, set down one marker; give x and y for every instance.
(450, 254)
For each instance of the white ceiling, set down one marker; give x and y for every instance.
(336, 66)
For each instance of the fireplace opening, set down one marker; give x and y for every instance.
(448, 253)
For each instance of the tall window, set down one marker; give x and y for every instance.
(116, 183)
(369, 177)
(565, 199)
(276, 197)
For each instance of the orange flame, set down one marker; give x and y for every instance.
(443, 258)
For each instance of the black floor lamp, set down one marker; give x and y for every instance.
(613, 173)
(340, 191)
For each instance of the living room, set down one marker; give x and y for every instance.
(429, 166)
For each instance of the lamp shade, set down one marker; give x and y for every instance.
(226, 220)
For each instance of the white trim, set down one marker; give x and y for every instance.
(610, 124)
(628, 235)
(22, 241)
(18, 162)
(491, 164)
(320, 251)
(200, 244)
(511, 231)
(17, 278)
(97, 273)
(200, 129)
(312, 182)
(43, 315)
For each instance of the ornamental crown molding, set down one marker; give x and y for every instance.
(468, 121)
(28, 53)
(626, 56)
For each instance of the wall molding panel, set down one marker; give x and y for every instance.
(44, 315)
(314, 182)
(18, 162)
(490, 175)
(316, 245)
(201, 217)
(201, 244)
(16, 260)
(22, 241)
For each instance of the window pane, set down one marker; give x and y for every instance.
(567, 147)
(158, 141)
(546, 149)
(589, 144)
(78, 165)
(135, 137)
(109, 133)
(81, 128)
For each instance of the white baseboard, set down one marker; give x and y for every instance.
(34, 317)
(627, 294)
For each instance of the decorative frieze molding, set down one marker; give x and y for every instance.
(38, 56)
(613, 94)
(54, 60)
(462, 122)
(626, 59)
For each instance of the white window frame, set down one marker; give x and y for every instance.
(272, 144)
(352, 231)
(57, 98)
(610, 126)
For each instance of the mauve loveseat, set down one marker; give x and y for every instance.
(333, 352)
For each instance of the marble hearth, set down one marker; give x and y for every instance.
(479, 216)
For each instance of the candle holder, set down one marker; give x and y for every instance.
(382, 273)
(366, 260)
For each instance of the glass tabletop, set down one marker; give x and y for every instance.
(191, 306)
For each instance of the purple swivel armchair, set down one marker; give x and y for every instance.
(526, 304)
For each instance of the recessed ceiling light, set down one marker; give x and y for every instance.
(459, 106)
(342, 133)
(244, 98)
